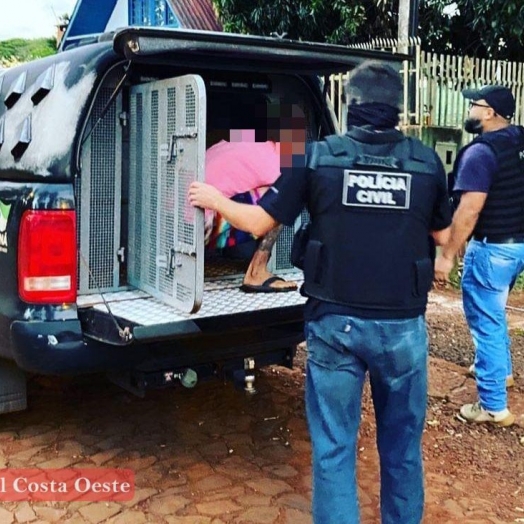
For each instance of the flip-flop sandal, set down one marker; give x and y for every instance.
(266, 287)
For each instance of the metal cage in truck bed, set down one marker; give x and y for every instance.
(101, 142)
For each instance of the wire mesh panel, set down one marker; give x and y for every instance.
(190, 161)
(167, 196)
(98, 192)
(137, 158)
(166, 244)
(150, 198)
(143, 187)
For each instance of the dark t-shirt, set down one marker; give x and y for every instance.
(288, 196)
(476, 169)
(478, 165)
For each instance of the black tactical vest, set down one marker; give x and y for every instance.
(503, 212)
(371, 206)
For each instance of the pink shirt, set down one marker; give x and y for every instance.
(238, 167)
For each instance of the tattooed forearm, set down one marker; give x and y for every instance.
(268, 241)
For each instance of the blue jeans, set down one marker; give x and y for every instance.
(340, 351)
(489, 273)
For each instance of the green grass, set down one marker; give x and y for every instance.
(519, 284)
(456, 274)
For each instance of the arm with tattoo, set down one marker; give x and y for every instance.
(268, 241)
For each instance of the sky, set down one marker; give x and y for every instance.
(31, 18)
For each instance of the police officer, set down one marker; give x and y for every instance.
(375, 199)
(488, 179)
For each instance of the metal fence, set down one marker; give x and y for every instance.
(433, 84)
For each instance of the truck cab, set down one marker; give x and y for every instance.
(103, 260)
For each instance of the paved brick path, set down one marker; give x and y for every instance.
(206, 456)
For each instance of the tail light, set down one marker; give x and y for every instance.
(47, 258)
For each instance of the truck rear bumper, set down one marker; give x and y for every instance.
(62, 347)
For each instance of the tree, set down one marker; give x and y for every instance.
(20, 50)
(482, 28)
(334, 21)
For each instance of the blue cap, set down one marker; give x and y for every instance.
(499, 98)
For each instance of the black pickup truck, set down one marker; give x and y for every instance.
(102, 261)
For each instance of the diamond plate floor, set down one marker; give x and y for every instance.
(222, 296)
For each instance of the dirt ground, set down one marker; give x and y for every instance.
(484, 466)
(214, 455)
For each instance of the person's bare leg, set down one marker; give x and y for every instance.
(257, 272)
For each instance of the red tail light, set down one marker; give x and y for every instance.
(47, 257)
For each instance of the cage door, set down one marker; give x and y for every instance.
(183, 164)
(167, 152)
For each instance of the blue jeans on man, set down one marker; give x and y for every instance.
(489, 273)
(341, 349)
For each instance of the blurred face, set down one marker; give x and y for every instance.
(292, 143)
(293, 140)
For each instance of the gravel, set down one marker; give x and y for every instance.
(449, 335)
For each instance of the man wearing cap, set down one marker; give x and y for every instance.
(488, 177)
(377, 201)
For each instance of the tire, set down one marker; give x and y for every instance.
(13, 390)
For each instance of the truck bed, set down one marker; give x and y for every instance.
(222, 296)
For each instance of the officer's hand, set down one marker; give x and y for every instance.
(204, 195)
(443, 267)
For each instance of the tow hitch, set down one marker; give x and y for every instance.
(249, 379)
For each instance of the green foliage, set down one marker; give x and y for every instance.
(481, 28)
(21, 50)
(455, 277)
(334, 21)
(501, 24)
(519, 284)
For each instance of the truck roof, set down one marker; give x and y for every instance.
(44, 102)
(242, 52)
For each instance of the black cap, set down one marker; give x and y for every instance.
(500, 98)
(374, 82)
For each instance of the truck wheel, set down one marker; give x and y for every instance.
(13, 391)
